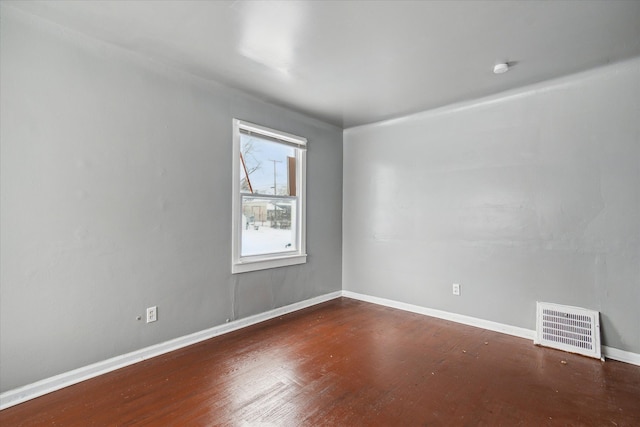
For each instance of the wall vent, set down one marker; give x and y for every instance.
(572, 329)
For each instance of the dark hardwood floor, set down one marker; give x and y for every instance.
(350, 363)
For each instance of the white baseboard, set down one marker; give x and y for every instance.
(621, 355)
(459, 318)
(608, 352)
(48, 385)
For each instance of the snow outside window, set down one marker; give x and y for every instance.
(268, 198)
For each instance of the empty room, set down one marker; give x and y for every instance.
(339, 213)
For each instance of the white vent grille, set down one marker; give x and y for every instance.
(572, 329)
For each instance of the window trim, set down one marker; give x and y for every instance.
(241, 264)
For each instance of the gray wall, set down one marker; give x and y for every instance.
(116, 192)
(530, 195)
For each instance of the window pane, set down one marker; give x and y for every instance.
(268, 225)
(266, 167)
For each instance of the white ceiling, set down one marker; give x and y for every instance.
(356, 62)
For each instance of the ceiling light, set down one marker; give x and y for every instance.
(501, 68)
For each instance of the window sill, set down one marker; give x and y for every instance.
(264, 264)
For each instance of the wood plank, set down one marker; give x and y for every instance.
(350, 363)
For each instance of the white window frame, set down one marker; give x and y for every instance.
(241, 264)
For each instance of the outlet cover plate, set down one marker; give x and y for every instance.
(456, 289)
(152, 314)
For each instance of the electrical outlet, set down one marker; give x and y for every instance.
(456, 289)
(152, 314)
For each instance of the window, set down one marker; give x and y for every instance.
(268, 198)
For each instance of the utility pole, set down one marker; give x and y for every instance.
(274, 174)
